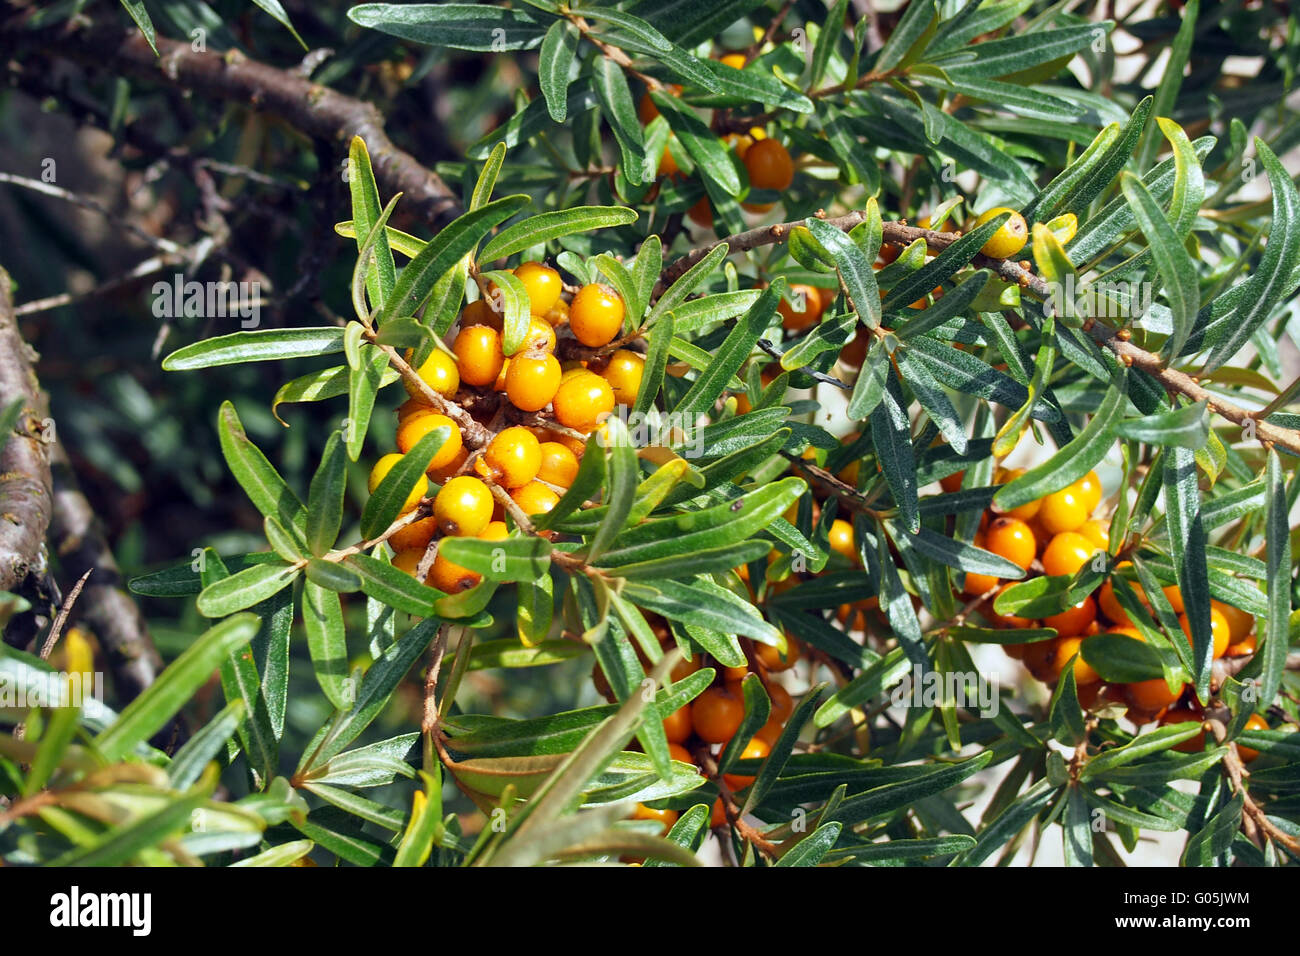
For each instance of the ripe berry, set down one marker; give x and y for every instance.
(718, 814)
(1243, 647)
(558, 465)
(543, 285)
(1219, 630)
(1066, 553)
(380, 472)
(1254, 722)
(1151, 696)
(769, 165)
(596, 314)
(1098, 532)
(438, 372)
(451, 469)
(734, 60)
(535, 498)
(1039, 658)
(840, 539)
(977, 584)
(408, 561)
(558, 315)
(416, 405)
(480, 312)
(677, 725)
(532, 379)
(1240, 623)
(1026, 512)
(770, 732)
(680, 753)
(623, 372)
(804, 309)
(782, 703)
(414, 536)
(1089, 489)
(417, 426)
(514, 456)
(665, 817)
(716, 715)
(1011, 538)
(1073, 620)
(463, 507)
(771, 657)
(1066, 648)
(1010, 237)
(449, 577)
(756, 749)
(583, 401)
(1063, 510)
(701, 213)
(478, 354)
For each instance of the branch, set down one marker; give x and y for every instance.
(24, 460)
(316, 110)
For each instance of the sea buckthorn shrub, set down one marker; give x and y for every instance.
(853, 417)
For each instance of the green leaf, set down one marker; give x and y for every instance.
(620, 113)
(674, 297)
(1073, 461)
(701, 143)
(1187, 543)
(385, 503)
(1152, 742)
(542, 228)
(325, 497)
(366, 214)
(262, 345)
(919, 19)
(422, 832)
(731, 354)
(1014, 54)
(1009, 822)
(554, 67)
(363, 385)
(813, 848)
(322, 618)
(512, 303)
(1174, 265)
(140, 15)
(935, 778)
(203, 747)
(175, 686)
(1121, 659)
(119, 845)
(521, 558)
(854, 268)
(1277, 538)
(931, 396)
(393, 587)
(891, 432)
(461, 26)
(244, 589)
(702, 604)
(1186, 427)
(258, 477)
(444, 252)
(1205, 847)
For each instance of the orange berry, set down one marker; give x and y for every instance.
(449, 577)
(415, 405)
(543, 285)
(558, 466)
(1254, 722)
(718, 814)
(951, 483)
(977, 584)
(667, 163)
(1089, 489)
(782, 703)
(756, 749)
(623, 372)
(532, 379)
(583, 401)
(514, 456)
(769, 165)
(734, 60)
(1066, 648)
(772, 659)
(666, 817)
(1098, 532)
(558, 315)
(1240, 623)
(452, 468)
(1010, 237)
(596, 315)
(495, 531)
(417, 426)
(480, 312)
(840, 539)
(701, 213)
(1152, 696)
(677, 725)
(414, 536)
(716, 715)
(535, 498)
(1026, 512)
(804, 309)
(1039, 658)
(1073, 620)
(1219, 631)
(1063, 510)
(1066, 553)
(771, 731)
(478, 354)
(463, 507)
(380, 472)
(1243, 647)
(1012, 539)
(438, 372)
(408, 561)
(680, 753)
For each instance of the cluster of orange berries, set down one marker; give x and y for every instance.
(1058, 535)
(714, 717)
(532, 464)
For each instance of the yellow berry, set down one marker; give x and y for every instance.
(532, 379)
(438, 372)
(417, 426)
(535, 498)
(559, 465)
(478, 354)
(596, 315)
(1010, 237)
(623, 372)
(380, 472)
(463, 507)
(514, 456)
(543, 285)
(583, 401)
